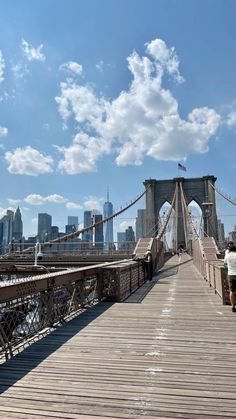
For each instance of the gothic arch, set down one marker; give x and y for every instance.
(194, 189)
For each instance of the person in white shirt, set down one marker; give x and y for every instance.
(230, 260)
(228, 246)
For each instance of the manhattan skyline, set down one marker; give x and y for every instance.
(108, 94)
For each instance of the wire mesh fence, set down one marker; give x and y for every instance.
(22, 317)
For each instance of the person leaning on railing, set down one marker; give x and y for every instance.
(148, 265)
(230, 264)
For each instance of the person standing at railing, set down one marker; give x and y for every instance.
(230, 264)
(148, 265)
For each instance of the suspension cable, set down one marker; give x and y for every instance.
(90, 227)
(223, 194)
(164, 236)
(160, 234)
(189, 218)
(184, 212)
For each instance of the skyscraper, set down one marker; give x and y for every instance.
(73, 220)
(221, 234)
(17, 228)
(108, 225)
(6, 230)
(140, 225)
(44, 225)
(98, 231)
(129, 234)
(70, 228)
(120, 240)
(232, 235)
(88, 235)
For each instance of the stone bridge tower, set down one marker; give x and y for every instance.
(196, 189)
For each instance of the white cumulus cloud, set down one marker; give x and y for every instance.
(28, 161)
(231, 119)
(73, 205)
(37, 199)
(81, 156)
(73, 67)
(2, 67)
(57, 199)
(31, 53)
(34, 199)
(80, 102)
(165, 58)
(92, 202)
(141, 121)
(20, 70)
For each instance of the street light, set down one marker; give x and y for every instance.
(37, 253)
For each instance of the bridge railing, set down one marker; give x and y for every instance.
(75, 246)
(205, 257)
(29, 306)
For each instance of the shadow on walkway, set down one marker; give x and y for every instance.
(138, 296)
(21, 364)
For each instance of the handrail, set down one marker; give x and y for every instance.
(31, 305)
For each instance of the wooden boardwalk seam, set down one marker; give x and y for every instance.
(167, 352)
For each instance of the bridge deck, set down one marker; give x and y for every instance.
(168, 352)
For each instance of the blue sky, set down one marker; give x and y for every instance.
(97, 94)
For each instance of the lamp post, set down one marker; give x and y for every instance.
(37, 253)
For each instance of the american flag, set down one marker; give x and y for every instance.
(181, 167)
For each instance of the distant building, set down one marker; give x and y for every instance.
(17, 227)
(44, 225)
(98, 231)
(53, 233)
(232, 235)
(70, 228)
(73, 220)
(88, 235)
(140, 224)
(221, 234)
(6, 231)
(108, 225)
(72, 243)
(129, 238)
(1, 237)
(120, 240)
(129, 234)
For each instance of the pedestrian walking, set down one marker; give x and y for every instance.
(230, 264)
(229, 244)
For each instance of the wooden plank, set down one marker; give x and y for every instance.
(166, 352)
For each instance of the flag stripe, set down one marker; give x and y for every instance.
(181, 167)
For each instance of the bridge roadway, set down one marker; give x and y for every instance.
(167, 352)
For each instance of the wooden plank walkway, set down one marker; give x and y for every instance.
(167, 352)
